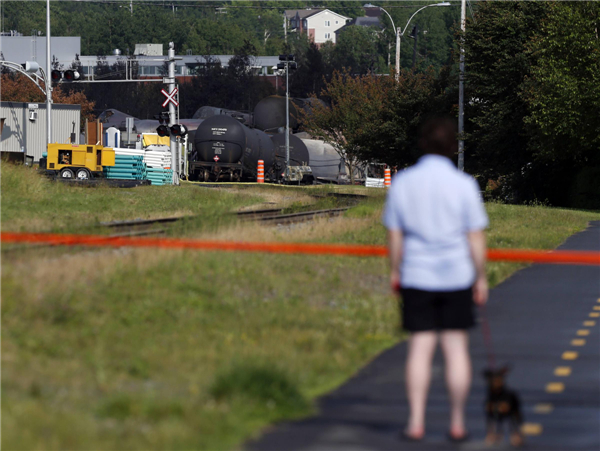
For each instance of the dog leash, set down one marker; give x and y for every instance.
(487, 338)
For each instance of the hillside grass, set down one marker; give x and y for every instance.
(171, 350)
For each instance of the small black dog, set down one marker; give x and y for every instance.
(502, 404)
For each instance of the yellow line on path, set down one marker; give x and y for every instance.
(583, 332)
(594, 315)
(570, 355)
(562, 371)
(578, 342)
(543, 408)
(555, 387)
(589, 323)
(532, 428)
(596, 307)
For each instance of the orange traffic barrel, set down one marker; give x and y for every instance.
(387, 178)
(260, 173)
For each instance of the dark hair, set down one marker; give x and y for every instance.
(438, 136)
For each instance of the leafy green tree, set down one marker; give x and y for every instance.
(392, 137)
(354, 103)
(497, 66)
(564, 84)
(309, 78)
(357, 49)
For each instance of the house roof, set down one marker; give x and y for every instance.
(302, 13)
(368, 22)
(306, 13)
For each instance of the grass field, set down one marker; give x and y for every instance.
(171, 350)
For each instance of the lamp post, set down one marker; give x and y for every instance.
(288, 62)
(48, 84)
(398, 31)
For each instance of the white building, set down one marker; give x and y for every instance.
(319, 24)
(23, 126)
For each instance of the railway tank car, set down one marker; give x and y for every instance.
(226, 150)
(326, 163)
(269, 114)
(299, 158)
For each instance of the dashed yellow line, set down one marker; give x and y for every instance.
(555, 387)
(594, 315)
(543, 408)
(589, 323)
(532, 428)
(578, 342)
(562, 371)
(570, 355)
(583, 332)
(596, 307)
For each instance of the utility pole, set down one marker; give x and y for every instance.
(416, 36)
(287, 120)
(398, 53)
(48, 82)
(285, 28)
(172, 115)
(461, 89)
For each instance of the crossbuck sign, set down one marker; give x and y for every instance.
(170, 97)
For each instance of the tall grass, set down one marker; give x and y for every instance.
(155, 349)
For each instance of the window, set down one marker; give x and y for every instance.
(327, 35)
(337, 22)
(327, 23)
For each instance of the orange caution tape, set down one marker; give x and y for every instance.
(510, 255)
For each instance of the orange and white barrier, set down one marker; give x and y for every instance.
(387, 178)
(260, 172)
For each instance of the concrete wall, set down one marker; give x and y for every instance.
(21, 133)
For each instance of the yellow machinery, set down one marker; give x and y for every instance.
(80, 162)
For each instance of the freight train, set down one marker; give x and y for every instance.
(225, 149)
(226, 145)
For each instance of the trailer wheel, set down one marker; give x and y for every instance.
(66, 173)
(82, 174)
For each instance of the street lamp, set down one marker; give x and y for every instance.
(288, 62)
(398, 31)
(48, 70)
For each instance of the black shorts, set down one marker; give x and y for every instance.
(437, 310)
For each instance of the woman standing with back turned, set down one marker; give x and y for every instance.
(436, 220)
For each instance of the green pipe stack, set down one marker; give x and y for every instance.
(159, 176)
(127, 167)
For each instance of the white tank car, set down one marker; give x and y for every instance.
(325, 162)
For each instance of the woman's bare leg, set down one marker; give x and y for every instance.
(455, 346)
(421, 348)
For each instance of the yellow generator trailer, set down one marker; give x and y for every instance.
(79, 162)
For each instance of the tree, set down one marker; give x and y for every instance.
(18, 88)
(497, 65)
(354, 103)
(357, 49)
(564, 84)
(392, 136)
(310, 76)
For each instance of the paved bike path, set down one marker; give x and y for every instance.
(534, 316)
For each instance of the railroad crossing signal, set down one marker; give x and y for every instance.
(67, 75)
(170, 97)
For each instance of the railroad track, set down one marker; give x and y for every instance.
(303, 216)
(142, 227)
(148, 227)
(145, 227)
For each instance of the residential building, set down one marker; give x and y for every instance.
(319, 24)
